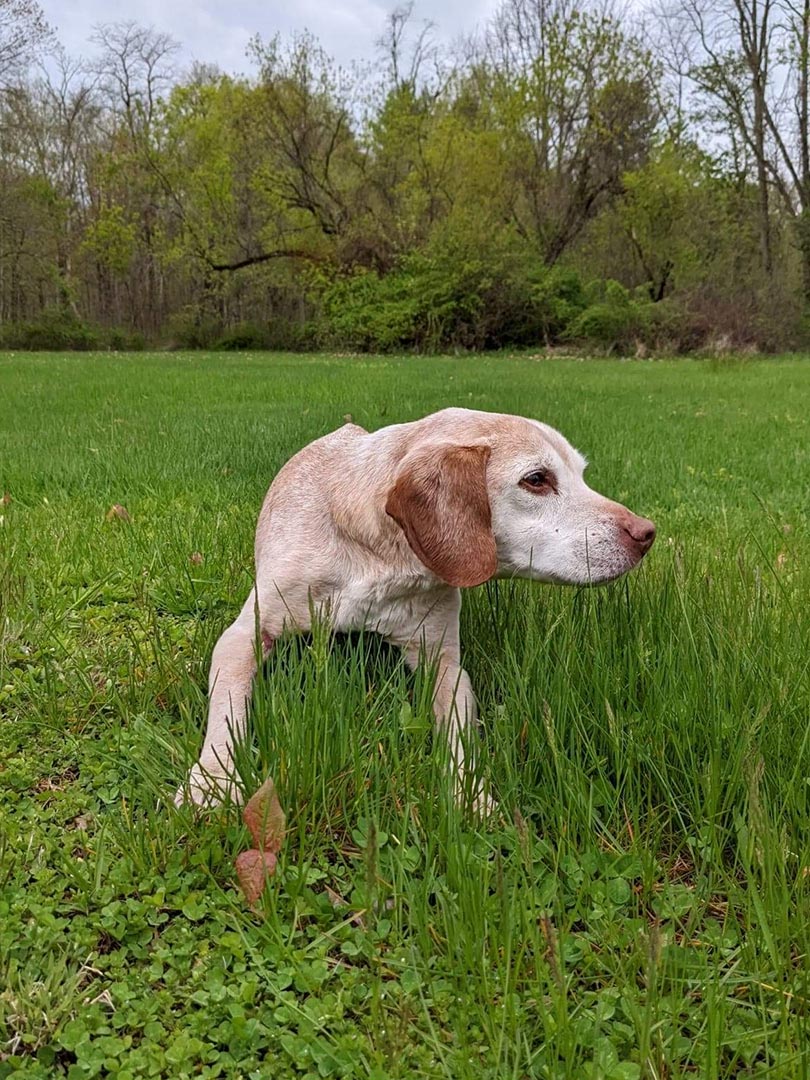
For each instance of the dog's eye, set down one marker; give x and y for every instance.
(542, 482)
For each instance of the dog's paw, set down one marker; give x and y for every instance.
(477, 802)
(207, 788)
(483, 806)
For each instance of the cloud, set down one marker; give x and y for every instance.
(219, 33)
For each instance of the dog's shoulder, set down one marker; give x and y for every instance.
(308, 477)
(349, 430)
(337, 439)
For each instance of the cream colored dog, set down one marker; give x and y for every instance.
(381, 531)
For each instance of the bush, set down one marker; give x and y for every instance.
(615, 320)
(243, 336)
(280, 334)
(60, 331)
(432, 302)
(559, 298)
(190, 330)
(126, 340)
(55, 329)
(364, 310)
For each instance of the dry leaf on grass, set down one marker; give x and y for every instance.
(117, 512)
(265, 819)
(253, 868)
(266, 823)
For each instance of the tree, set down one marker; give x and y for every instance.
(312, 158)
(48, 128)
(572, 93)
(749, 64)
(670, 210)
(134, 69)
(258, 173)
(731, 66)
(23, 33)
(405, 60)
(469, 197)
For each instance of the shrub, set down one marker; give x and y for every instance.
(126, 340)
(191, 330)
(366, 311)
(280, 334)
(55, 329)
(242, 336)
(615, 320)
(62, 331)
(449, 300)
(558, 298)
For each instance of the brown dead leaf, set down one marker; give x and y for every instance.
(117, 512)
(195, 558)
(265, 819)
(266, 823)
(6, 500)
(253, 868)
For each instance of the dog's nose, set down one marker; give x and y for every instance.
(641, 531)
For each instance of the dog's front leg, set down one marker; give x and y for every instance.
(454, 705)
(456, 711)
(233, 667)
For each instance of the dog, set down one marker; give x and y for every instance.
(382, 530)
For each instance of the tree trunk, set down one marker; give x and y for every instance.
(803, 61)
(766, 253)
(803, 230)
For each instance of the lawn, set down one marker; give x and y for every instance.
(641, 907)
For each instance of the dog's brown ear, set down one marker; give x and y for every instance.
(440, 501)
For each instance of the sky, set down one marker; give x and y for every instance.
(217, 32)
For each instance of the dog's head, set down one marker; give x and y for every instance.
(481, 495)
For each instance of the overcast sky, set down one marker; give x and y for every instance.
(218, 32)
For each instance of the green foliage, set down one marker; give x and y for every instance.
(452, 300)
(281, 333)
(125, 340)
(193, 332)
(190, 329)
(559, 298)
(55, 329)
(363, 310)
(448, 302)
(112, 239)
(614, 320)
(670, 209)
(244, 336)
(61, 329)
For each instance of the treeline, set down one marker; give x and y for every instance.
(569, 175)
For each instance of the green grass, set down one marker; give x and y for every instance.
(641, 910)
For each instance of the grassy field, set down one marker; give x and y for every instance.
(641, 910)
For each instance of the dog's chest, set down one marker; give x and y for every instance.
(389, 607)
